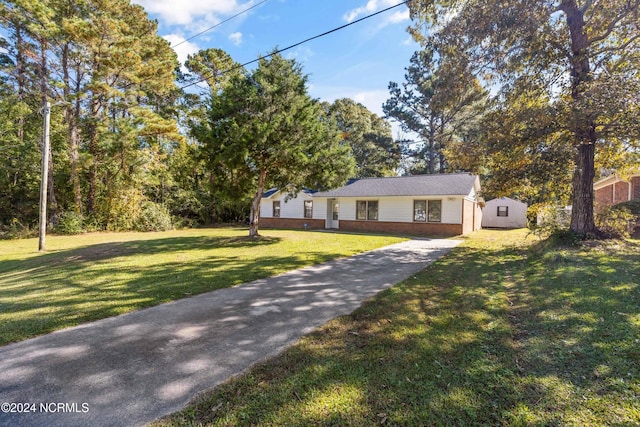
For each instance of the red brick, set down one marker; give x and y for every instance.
(292, 223)
(405, 228)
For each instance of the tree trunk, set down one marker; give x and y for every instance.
(585, 137)
(71, 115)
(432, 146)
(254, 218)
(21, 79)
(94, 150)
(582, 220)
(93, 171)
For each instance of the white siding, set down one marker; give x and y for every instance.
(292, 208)
(517, 214)
(348, 208)
(390, 209)
(400, 209)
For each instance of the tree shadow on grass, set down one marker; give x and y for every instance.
(108, 251)
(481, 337)
(426, 352)
(66, 288)
(575, 322)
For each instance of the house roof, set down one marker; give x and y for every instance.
(272, 191)
(610, 179)
(460, 184)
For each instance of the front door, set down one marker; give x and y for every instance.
(333, 219)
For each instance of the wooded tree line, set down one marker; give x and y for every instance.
(535, 96)
(131, 149)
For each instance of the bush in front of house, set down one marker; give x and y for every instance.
(618, 221)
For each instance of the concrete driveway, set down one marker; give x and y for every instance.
(132, 369)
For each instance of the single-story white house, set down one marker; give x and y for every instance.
(504, 213)
(444, 204)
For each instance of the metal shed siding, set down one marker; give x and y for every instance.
(517, 217)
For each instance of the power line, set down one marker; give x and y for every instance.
(220, 23)
(295, 45)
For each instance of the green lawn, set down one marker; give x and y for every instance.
(93, 276)
(504, 330)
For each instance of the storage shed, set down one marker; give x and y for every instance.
(504, 213)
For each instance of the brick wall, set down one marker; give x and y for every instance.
(292, 223)
(603, 197)
(635, 187)
(620, 192)
(408, 228)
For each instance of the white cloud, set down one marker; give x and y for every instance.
(398, 17)
(236, 38)
(185, 12)
(372, 99)
(182, 48)
(408, 41)
(372, 6)
(301, 54)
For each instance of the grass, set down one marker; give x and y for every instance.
(93, 276)
(504, 330)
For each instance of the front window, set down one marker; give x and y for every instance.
(420, 210)
(308, 209)
(503, 210)
(367, 210)
(434, 211)
(276, 209)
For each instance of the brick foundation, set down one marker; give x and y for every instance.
(292, 223)
(407, 228)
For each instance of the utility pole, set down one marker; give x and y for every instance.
(45, 177)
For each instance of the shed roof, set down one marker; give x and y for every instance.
(504, 199)
(459, 184)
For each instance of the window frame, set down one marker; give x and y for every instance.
(424, 211)
(275, 210)
(368, 204)
(429, 203)
(506, 212)
(307, 211)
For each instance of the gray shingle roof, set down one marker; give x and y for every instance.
(459, 184)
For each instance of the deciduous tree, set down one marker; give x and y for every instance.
(369, 136)
(584, 55)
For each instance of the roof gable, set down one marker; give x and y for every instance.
(416, 185)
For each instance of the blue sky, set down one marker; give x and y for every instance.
(356, 62)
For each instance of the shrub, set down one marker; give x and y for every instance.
(123, 209)
(17, 230)
(616, 221)
(70, 222)
(550, 221)
(154, 217)
(633, 206)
